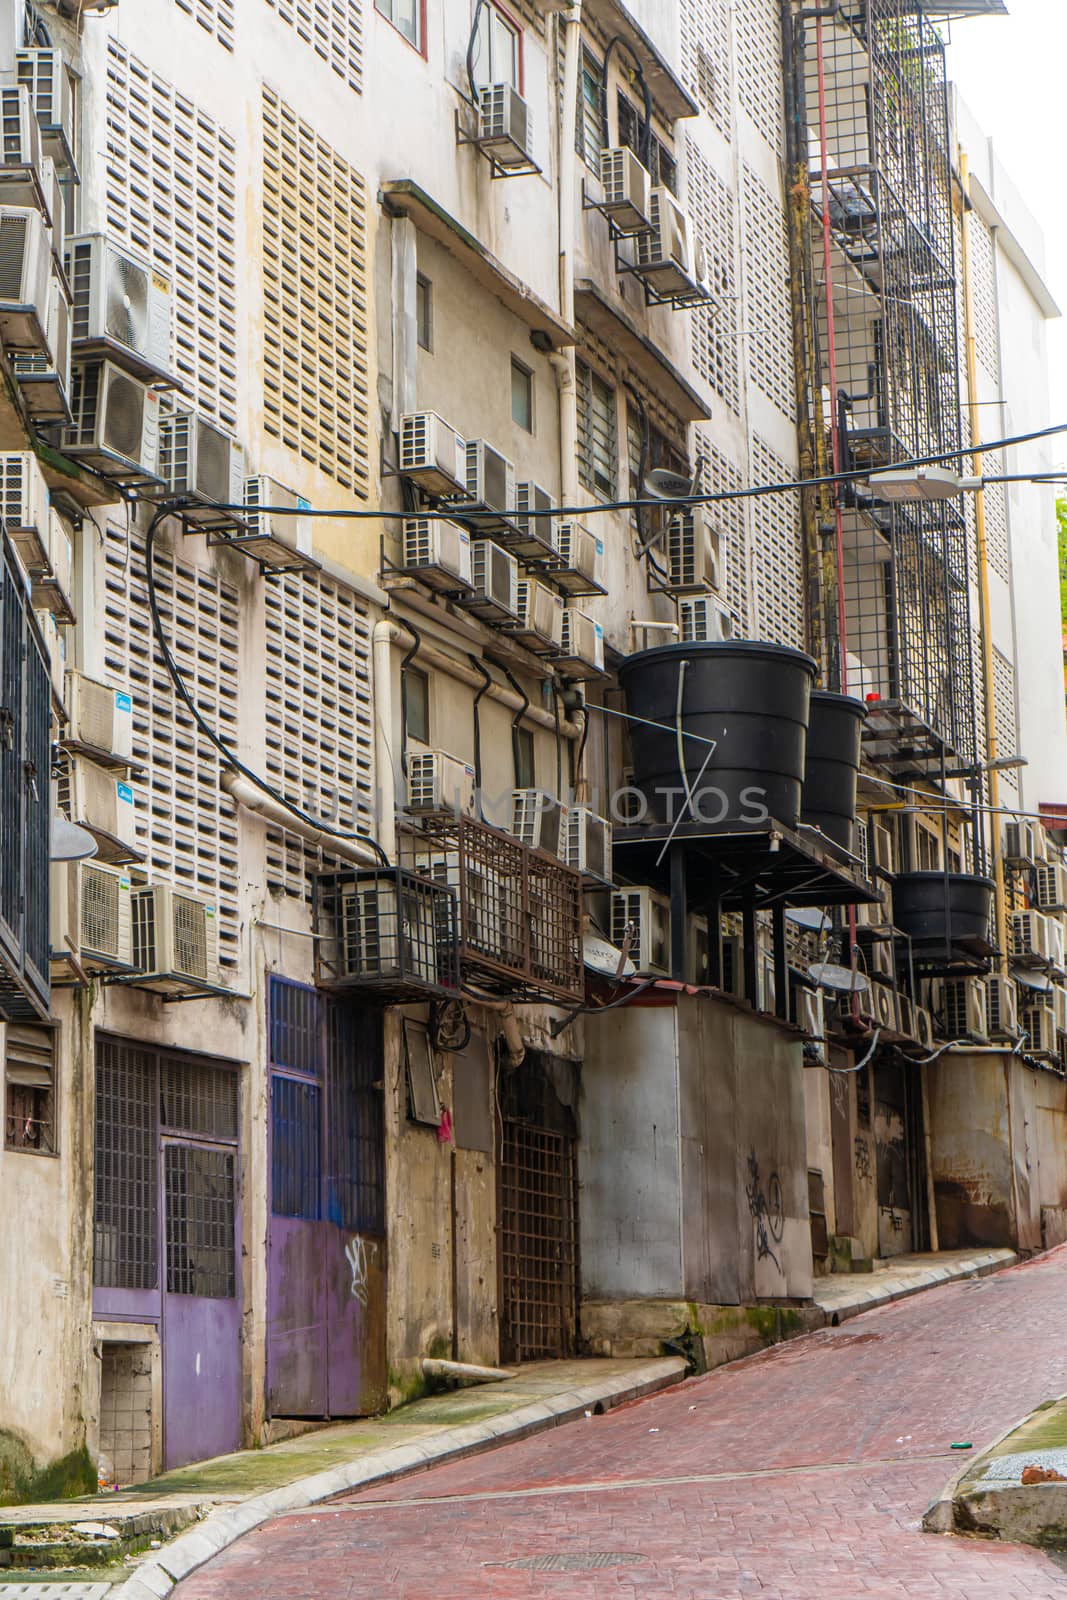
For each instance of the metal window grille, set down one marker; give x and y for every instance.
(316, 367)
(589, 128)
(333, 29)
(662, 167)
(714, 328)
(126, 1211)
(767, 312)
(759, 66)
(214, 16)
(197, 1098)
(295, 1026)
(171, 193)
(390, 933)
(356, 1178)
(598, 447)
(29, 1093)
(200, 1201)
(319, 717)
(296, 1147)
(186, 823)
(777, 555)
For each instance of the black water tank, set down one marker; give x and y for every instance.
(831, 765)
(752, 699)
(942, 908)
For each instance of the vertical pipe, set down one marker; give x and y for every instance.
(984, 619)
(781, 963)
(563, 360)
(679, 906)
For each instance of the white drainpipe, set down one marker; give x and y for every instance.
(563, 360)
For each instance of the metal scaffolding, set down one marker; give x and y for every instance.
(884, 312)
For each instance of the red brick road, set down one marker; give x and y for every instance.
(802, 1472)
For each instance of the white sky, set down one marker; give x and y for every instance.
(1011, 73)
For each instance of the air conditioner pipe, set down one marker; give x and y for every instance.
(514, 1044)
(253, 798)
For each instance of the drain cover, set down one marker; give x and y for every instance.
(589, 1563)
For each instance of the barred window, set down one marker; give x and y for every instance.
(589, 129)
(661, 164)
(598, 448)
(29, 1088)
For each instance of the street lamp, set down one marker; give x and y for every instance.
(912, 484)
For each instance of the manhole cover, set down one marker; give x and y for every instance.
(589, 1563)
(53, 1591)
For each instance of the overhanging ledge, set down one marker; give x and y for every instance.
(400, 197)
(611, 323)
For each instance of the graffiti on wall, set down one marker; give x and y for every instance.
(768, 1210)
(361, 1254)
(863, 1159)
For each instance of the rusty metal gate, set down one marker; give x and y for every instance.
(538, 1212)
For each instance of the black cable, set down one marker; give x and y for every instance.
(487, 684)
(557, 1027)
(379, 513)
(559, 741)
(644, 151)
(516, 721)
(405, 663)
(578, 754)
(476, 98)
(170, 509)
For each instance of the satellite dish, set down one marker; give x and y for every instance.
(841, 980)
(663, 484)
(809, 917)
(69, 842)
(602, 957)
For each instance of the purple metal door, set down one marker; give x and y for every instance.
(326, 1258)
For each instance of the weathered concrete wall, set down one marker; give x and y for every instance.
(818, 1121)
(1051, 1126)
(971, 1151)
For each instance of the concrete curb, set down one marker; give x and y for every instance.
(978, 1266)
(154, 1579)
(940, 1514)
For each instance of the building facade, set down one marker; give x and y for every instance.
(347, 336)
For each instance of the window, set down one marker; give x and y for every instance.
(597, 443)
(406, 17)
(661, 164)
(424, 312)
(521, 395)
(424, 1104)
(29, 1089)
(497, 49)
(927, 850)
(589, 132)
(523, 744)
(415, 688)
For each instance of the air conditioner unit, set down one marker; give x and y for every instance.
(1030, 935)
(702, 618)
(582, 644)
(540, 535)
(880, 848)
(581, 558)
(649, 914)
(504, 125)
(388, 932)
(1021, 844)
(122, 305)
(44, 73)
(438, 552)
(51, 591)
(1038, 1023)
(115, 424)
(21, 160)
(276, 529)
(1050, 887)
(879, 956)
(882, 1003)
(99, 719)
(924, 1027)
(537, 820)
(587, 844)
(495, 576)
(1056, 952)
(24, 508)
(91, 914)
(439, 784)
(202, 464)
(964, 1008)
(55, 644)
(1002, 1009)
(697, 952)
(175, 935)
(96, 799)
(1059, 1008)
(905, 1016)
(540, 613)
(668, 259)
(432, 454)
(57, 214)
(44, 375)
(25, 274)
(490, 481)
(627, 189)
(692, 554)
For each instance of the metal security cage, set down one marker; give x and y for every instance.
(390, 933)
(875, 74)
